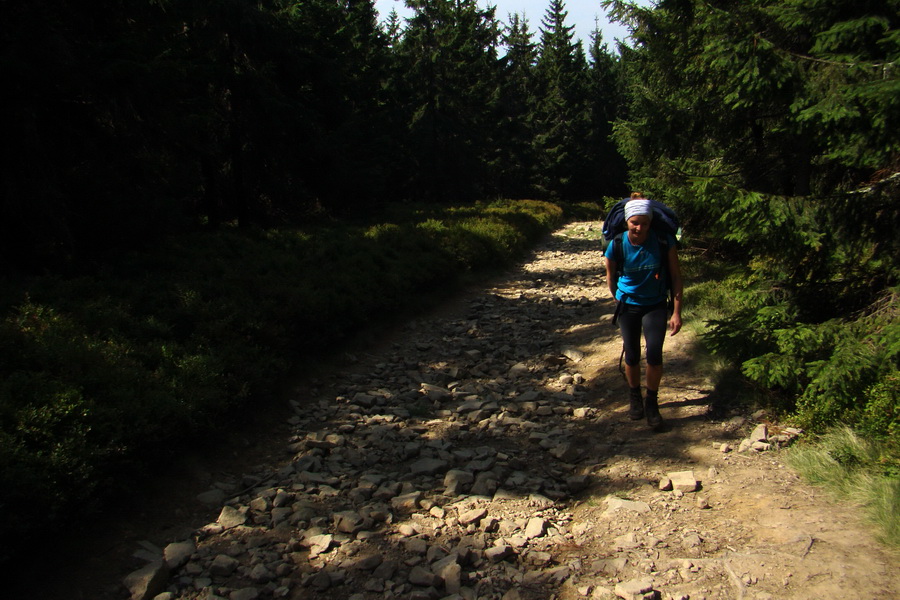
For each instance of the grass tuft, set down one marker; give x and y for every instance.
(857, 470)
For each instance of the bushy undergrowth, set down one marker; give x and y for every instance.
(768, 349)
(813, 316)
(104, 370)
(842, 370)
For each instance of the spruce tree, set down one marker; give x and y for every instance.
(561, 117)
(774, 124)
(606, 168)
(514, 160)
(449, 62)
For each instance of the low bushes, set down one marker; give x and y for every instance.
(103, 370)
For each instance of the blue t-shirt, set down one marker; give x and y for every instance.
(642, 281)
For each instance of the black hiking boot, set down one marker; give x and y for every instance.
(636, 405)
(651, 409)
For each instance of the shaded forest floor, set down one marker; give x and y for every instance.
(753, 529)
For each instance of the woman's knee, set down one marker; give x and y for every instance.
(655, 334)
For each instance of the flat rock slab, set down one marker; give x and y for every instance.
(615, 504)
(636, 589)
(684, 481)
(147, 582)
(231, 517)
(428, 466)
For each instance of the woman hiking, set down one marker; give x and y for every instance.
(640, 289)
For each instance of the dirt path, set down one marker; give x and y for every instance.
(766, 534)
(524, 394)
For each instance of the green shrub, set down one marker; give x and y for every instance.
(880, 416)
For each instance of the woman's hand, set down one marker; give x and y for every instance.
(674, 324)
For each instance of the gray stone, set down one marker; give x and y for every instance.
(281, 514)
(536, 528)
(408, 502)
(573, 354)
(456, 481)
(260, 505)
(470, 406)
(416, 545)
(422, 577)
(634, 589)
(148, 581)
(248, 593)
(435, 392)
(566, 451)
(472, 516)
(231, 517)
(627, 541)
(319, 544)
(223, 565)
(610, 566)
(260, 574)
(428, 466)
(541, 559)
(368, 563)
(485, 484)
(348, 522)
(496, 554)
(518, 370)
(603, 593)
(760, 433)
(684, 481)
(582, 412)
(614, 503)
(365, 400)
(320, 580)
(450, 572)
(761, 446)
(178, 554)
(385, 570)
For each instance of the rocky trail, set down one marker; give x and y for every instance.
(484, 451)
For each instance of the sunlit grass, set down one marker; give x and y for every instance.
(864, 472)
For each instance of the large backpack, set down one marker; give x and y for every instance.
(663, 224)
(664, 221)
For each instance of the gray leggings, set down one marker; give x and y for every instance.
(653, 320)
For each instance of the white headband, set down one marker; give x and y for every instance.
(638, 207)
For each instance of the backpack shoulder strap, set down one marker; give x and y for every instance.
(663, 243)
(664, 273)
(619, 253)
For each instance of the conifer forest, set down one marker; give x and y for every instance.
(188, 185)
